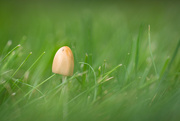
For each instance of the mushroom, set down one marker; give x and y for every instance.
(63, 62)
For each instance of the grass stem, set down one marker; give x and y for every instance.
(150, 50)
(21, 64)
(10, 52)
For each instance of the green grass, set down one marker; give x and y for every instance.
(123, 70)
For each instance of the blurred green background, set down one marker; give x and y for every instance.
(111, 33)
(89, 27)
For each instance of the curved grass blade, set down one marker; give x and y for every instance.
(95, 86)
(17, 80)
(95, 82)
(35, 88)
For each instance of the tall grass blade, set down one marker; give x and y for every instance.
(164, 67)
(36, 61)
(10, 52)
(95, 82)
(174, 55)
(169, 66)
(150, 50)
(9, 43)
(172, 60)
(84, 69)
(21, 64)
(137, 49)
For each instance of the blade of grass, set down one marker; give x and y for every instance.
(8, 61)
(104, 67)
(10, 52)
(95, 82)
(35, 88)
(122, 89)
(40, 84)
(14, 83)
(130, 67)
(29, 67)
(35, 62)
(147, 84)
(171, 62)
(101, 81)
(8, 44)
(57, 87)
(32, 65)
(17, 80)
(164, 67)
(21, 64)
(174, 55)
(84, 69)
(145, 74)
(168, 68)
(95, 86)
(150, 50)
(6, 72)
(137, 49)
(33, 101)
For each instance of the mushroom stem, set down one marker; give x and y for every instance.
(65, 97)
(64, 79)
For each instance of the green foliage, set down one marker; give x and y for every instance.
(122, 71)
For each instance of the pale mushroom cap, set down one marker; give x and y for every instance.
(63, 62)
